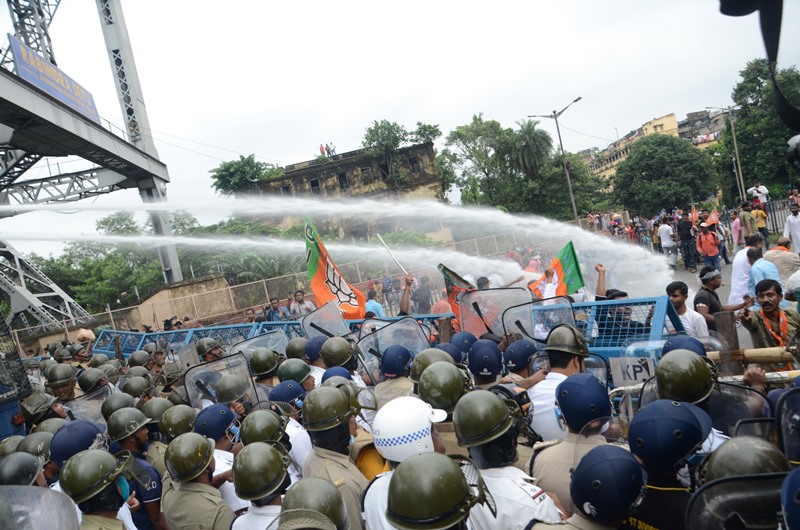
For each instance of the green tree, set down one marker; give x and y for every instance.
(760, 133)
(662, 171)
(531, 148)
(241, 175)
(551, 198)
(425, 133)
(383, 140)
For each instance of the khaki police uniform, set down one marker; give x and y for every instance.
(447, 431)
(196, 506)
(96, 522)
(524, 452)
(554, 461)
(391, 389)
(155, 455)
(340, 471)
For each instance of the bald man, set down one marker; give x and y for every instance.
(786, 261)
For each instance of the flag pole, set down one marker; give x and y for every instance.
(391, 255)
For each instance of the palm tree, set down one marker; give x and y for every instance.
(531, 148)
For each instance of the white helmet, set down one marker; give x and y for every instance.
(402, 428)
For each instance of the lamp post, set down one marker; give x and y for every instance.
(554, 116)
(738, 161)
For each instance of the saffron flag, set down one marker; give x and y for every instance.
(713, 218)
(454, 285)
(567, 272)
(694, 214)
(326, 280)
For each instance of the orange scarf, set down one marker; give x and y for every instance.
(783, 326)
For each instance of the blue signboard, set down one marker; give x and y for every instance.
(44, 75)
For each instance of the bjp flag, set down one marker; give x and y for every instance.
(326, 280)
(694, 214)
(567, 270)
(713, 218)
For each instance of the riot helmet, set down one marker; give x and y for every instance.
(37, 444)
(90, 379)
(682, 375)
(188, 455)
(205, 346)
(155, 408)
(115, 402)
(19, 469)
(125, 422)
(484, 359)
(426, 358)
(177, 420)
(51, 425)
(326, 407)
(9, 445)
(742, 455)
(62, 354)
(336, 351)
(288, 392)
(294, 370)
(582, 398)
(463, 340)
(518, 355)
(259, 471)
(480, 417)
(230, 388)
(263, 361)
(263, 426)
(313, 347)
(319, 495)
(296, 348)
(395, 361)
(36, 406)
(138, 358)
(452, 350)
(402, 428)
(75, 436)
(683, 342)
(98, 359)
(137, 387)
(59, 375)
(443, 384)
(567, 339)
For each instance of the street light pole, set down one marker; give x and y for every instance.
(554, 116)
(738, 160)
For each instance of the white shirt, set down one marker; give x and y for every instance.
(694, 323)
(793, 283)
(317, 372)
(518, 501)
(665, 233)
(223, 461)
(301, 448)
(544, 419)
(792, 229)
(759, 191)
(740, 274)
(123, 514)
(376, 501)
(257, 518)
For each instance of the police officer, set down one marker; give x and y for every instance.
(297, 370)
(292, 393)
(441, 385)
(260, 476)
(128, 426)
(269, 426)
(193, 501)
(138, 358)
(61, 382)
(395, 367)
(264, 366)
(328, 416)
(337, 351)
(662, 437)
(452, 350)
(582, 401)
(426, 358)
(115, 402)
(139, 388)
(402, 428)
(566, 350)
(94, 480)
(219, 423)
(485, 363)
(157, 443)
(606, 486)
(39, 407)
(464, 341)
(21, 469)
(208, 349)
(485, 425)
(429, 490)
(296, 348)
(742, 455)
(517, 358)
(231, 390)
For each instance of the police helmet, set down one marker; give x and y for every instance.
(90, 379)
(155, 408)
(178, 396)
(682, 375)
(665, 432)
(263, 426)
(395, 361)
(125, 422)
(188, 455)
(9, 445)
(115, 402)
(204, 346)
(464, 340)
(319, 495)
(336, 371)
(35, 406)
(61, 374)
(51, 425)
(62, 354)
(402, 428)
(326, 407)
(518, 355)
(37, 444)
(484, 358)
(443, 384)
(75, 436)
(137, 386)
(582, 398)
(567, 339)
(606, 485)
(263, 361)
(294, 370)
(138, 358)
(336, 351)
(288, 392)
(19, 469)
(230, 388)
(213, 421)
(259, 470)
(683, 342)
(742, 455)
(177, 420)
(453, 350)
(296, 348)
(426, 358)
(98, 359)
(313, 347)
(480, 417)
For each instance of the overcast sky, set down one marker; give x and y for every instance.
(278, 78)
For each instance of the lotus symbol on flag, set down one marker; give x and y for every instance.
(339, 288)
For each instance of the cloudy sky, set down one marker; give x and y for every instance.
(276, 79)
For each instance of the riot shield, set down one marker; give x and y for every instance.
(787, 416)
(87, 406)
(647, 394)
(187, 355)
(763, 428)
(602, 431)
(371, 325)
(201, 381)
(275, 340)
(598, 367)
(729, 403)
(534, 320)
(749, 501)
(404, 332)
(482, 311)
(326, 320)
(32, 508)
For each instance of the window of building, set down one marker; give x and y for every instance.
(366, 175)
(286, 190)
(413, 164)
(344, 184)
(315, 189)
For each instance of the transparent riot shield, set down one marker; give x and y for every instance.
(326, 320)
(482, 311)
(32, 508)
(787, 418)
(371, 325)
(636, 364)
(187, 355)
(534, 320)
(602, 431)
(717, 349)
(598, 367)
(202, 383)
(749, 501)
(763, 428)
(647, 394)
(87, 406)
(729, 404)
(275, 340)
(404, 332)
